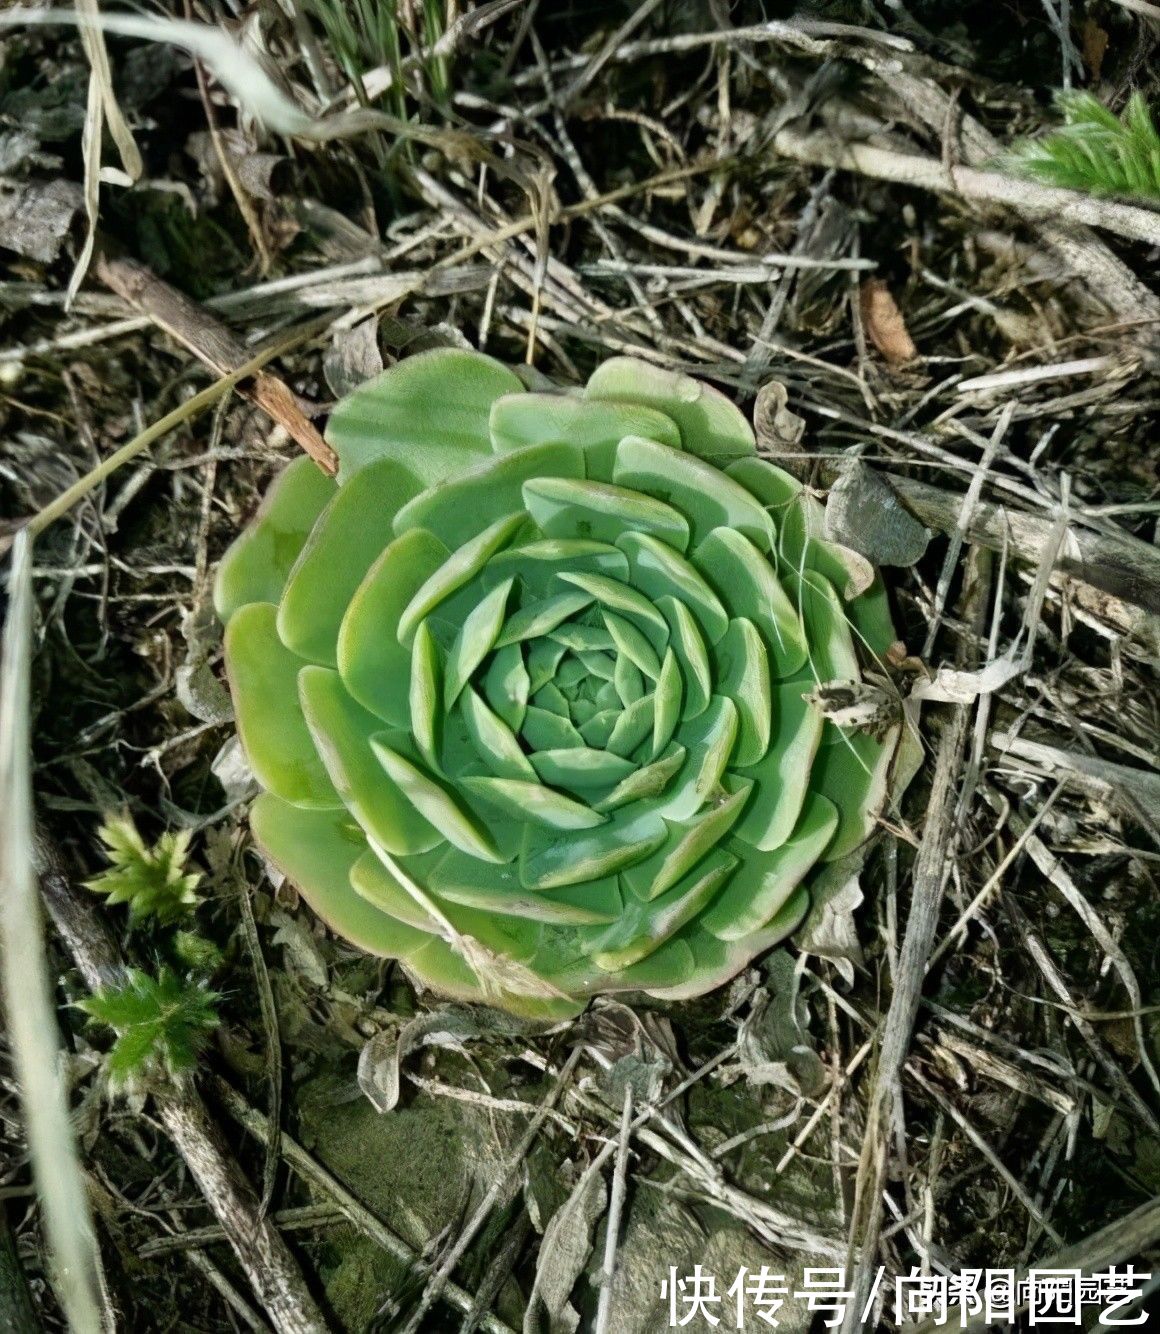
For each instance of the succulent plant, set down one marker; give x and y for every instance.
(526, 687)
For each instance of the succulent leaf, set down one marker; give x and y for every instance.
(571, 745)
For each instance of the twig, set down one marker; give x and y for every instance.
(263, 1255)
(439, 1278)
(930, 871)
(1001, 1170)
(59, 507)
(1140, 786)
(615, 1208)
(1125, 1239)
(1144, 8)
(939, 833)
(315, 1175)
(269, 1013)
(962, 523)
(1117, 563)
(288, 1220)
(1015, 379)
(1046, 965)
(821, 149)
(212, 343)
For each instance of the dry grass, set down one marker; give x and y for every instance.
(982, 1089)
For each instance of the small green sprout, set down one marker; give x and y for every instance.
(153, 881)
(162, 1023)
(1094, 151)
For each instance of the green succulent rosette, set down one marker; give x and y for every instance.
(526, 688)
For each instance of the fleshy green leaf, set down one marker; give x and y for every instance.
(374, 666)
(263, 677)
(705, 496)
(256, 566)
(748, 586)
(316, 852)
(430, 413)
(711, 426)
(347, 539)
(463, 506)
(597, 511)
(435, 801)
(455, 571)
(342, 731)
(530, 419)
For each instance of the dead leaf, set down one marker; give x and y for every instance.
(1094, 44)
(381, 1059)
(778, 430)
(353, 357)
(773, 1044)
(885, 326)
(35, 216)
(302, 956)
(864, 512)
(564, 1252)
(829, 930)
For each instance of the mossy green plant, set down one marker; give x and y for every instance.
(162, 1022)
(526, 687)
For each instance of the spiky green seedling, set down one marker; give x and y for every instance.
(1094, 151)
(528, 688)
(161, 1022)
(153, 882)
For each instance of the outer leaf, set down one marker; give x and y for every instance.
(465, 505)
(763, 884)
(704, 495)
(436, 802)
(531, 419)
(375, 667)
(264, 683)
(748, 586)
(315, 851)
(430, 412)
(710, 425)
(342, 730)
(346, 541)
(255, 567)
(597, 511)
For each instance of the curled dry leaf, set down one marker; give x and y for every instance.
(381, 1060)
(778, 430)
(353, 357)
(773, 1044)
(829, 930)
(885, 326)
